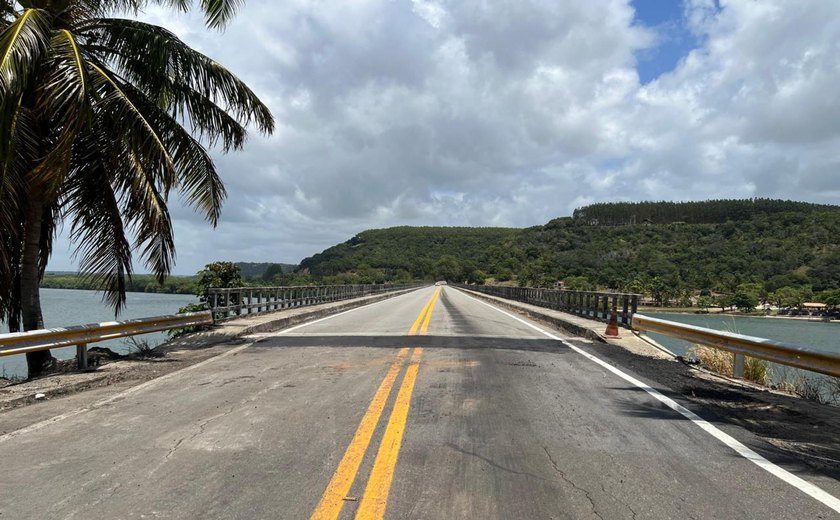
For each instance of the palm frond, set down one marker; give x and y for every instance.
(10, 244)
(167, 70)
(217, 13)
(207, 119)
(146, 212)
(133, 125)
(99, 8)
(22, 44)
(96, 223)
(62, 96)
(197, 176)
(20, 148)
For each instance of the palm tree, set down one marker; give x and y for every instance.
(97, 116)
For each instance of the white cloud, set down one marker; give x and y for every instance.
(476, 112)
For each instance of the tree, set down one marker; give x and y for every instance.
(831, 298)
(744, 301)
(704, 302)
(93, 111)
(791, 297)
(578, 283)
(448, 268)
(217, 275)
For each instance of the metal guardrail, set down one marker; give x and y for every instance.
(234, 302)
(80, 336)
(775, 351)
(594, 305)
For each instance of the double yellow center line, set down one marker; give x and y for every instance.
(375, 498)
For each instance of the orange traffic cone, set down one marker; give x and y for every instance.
(612, 326)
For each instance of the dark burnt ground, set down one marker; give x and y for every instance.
(802, 431)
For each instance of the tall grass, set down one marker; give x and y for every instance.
(822, 389)
(721, 362)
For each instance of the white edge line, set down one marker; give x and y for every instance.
(806, 487)
(116, 397)
(98, 404)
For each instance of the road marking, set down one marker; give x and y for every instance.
(98, 404)
(423, 313)
(806, 487)
(332, 501)
(426, 321)
(342, 480)
(375, 498)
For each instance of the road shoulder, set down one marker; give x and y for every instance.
(798, 433)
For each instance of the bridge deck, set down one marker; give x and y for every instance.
(421, 406)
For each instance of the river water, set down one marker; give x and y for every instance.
(817, 335)
(66, 307)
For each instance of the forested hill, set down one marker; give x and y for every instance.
(681, 247)
(413, 252)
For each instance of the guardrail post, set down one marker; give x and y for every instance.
(738, 366)
(624, 318)
(82, 356)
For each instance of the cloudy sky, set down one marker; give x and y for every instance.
(510, 113)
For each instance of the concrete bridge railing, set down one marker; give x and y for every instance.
(241, 301)
(594, 305)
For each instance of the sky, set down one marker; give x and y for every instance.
(509, 113)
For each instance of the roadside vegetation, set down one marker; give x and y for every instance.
(814, 387)
(721, 362)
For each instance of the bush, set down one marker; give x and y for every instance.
(191, 307)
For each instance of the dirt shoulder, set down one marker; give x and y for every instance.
(799, 431)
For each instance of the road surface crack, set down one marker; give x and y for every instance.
(565, 478)
(202, 427)
(622, 502)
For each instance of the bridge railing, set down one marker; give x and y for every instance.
(593, 305)
(242, 301)
(740, 345)
(80, 336)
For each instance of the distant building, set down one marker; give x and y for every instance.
(814, 306)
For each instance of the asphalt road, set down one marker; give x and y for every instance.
(426, 406)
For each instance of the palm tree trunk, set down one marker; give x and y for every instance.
(30, 281)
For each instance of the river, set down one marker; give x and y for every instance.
(817, 335)
(65, 307)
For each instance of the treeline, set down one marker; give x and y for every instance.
(252, 274)
(706, 212)
(263, 270)
(787, 249)
(795, 251)
(138, 283)
(415, 253)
